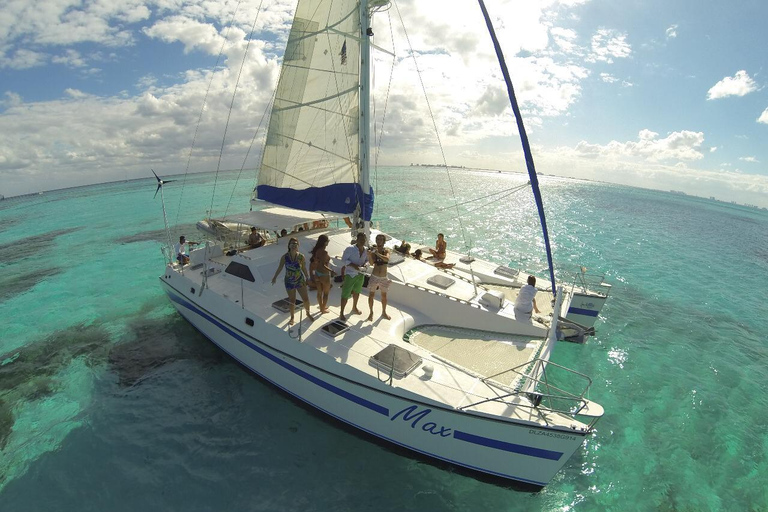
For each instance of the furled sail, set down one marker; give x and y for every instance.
(311, 157)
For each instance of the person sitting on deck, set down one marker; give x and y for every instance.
(525, 303)
(255, 240)
(403, 248)
(440, 246)
(181, 250)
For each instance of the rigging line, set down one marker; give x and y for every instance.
(434, 123)
(232, 103)
(245, 160)
(509, 190)
(384, 116)
(202, 109)
(254, 195)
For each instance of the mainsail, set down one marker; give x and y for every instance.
(311, 158)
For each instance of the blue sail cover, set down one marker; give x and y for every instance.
(340, 198)
(311, 158)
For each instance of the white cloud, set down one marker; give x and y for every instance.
(713, 149)
(681, 146)
(621, 162)
(609, 44)
(750, 159)
(608, 78)
(23, 59)
(672, 32)
(763, 117)
(738, 85)
(70, 58)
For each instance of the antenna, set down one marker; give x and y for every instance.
(160, 184)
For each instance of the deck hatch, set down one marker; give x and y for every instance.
(399, 361)
(511, 273)
(335, 328)
(441, 281)
(284, 305)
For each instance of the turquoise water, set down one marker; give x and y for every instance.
(110, 401)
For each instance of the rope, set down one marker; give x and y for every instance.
(507, 192)
(384, 116)
(202, 110)
(434, 123)
(232, 103)
(242, 167)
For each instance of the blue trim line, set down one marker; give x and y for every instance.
(507, 447)
(340, 198)
(585, 312)
(491, 443)
(301, 373)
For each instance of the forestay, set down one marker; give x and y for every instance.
(311, 156)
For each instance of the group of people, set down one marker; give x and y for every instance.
(437, 254)
(354, 259)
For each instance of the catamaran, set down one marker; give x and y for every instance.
(453, 375)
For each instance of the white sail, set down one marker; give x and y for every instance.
(311, 157)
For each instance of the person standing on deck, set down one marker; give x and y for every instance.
(525, 304)
(354, 259)
(379, 257)
(295, 276)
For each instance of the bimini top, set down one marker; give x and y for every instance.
(276, 218)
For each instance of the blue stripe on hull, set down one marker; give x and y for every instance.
(483, 441)
(508, 447)
(585, 312)
(301, 373)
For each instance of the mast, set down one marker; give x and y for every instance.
(365, 107)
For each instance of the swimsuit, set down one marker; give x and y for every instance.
(294, 277)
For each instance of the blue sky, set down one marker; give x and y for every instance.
(666, 95)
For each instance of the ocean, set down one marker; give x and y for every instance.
(109, 400)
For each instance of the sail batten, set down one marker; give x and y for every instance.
(311, 158)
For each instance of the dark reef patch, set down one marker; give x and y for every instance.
(156, 342)
(28, 373)
(17, 284)
(159, 235)
(31, 246)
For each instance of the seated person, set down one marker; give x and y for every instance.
(403, 248)
(417, 254)
(440, 246)
(181, 250)
(255, 240)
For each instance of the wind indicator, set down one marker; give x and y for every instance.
(159, 188)
(160, 182)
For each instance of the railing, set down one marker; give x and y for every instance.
(546, 396)
(591, 282)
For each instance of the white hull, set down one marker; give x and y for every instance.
(511, 450)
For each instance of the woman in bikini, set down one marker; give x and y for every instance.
(319, 267)
(295, 276)
(440, 246)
